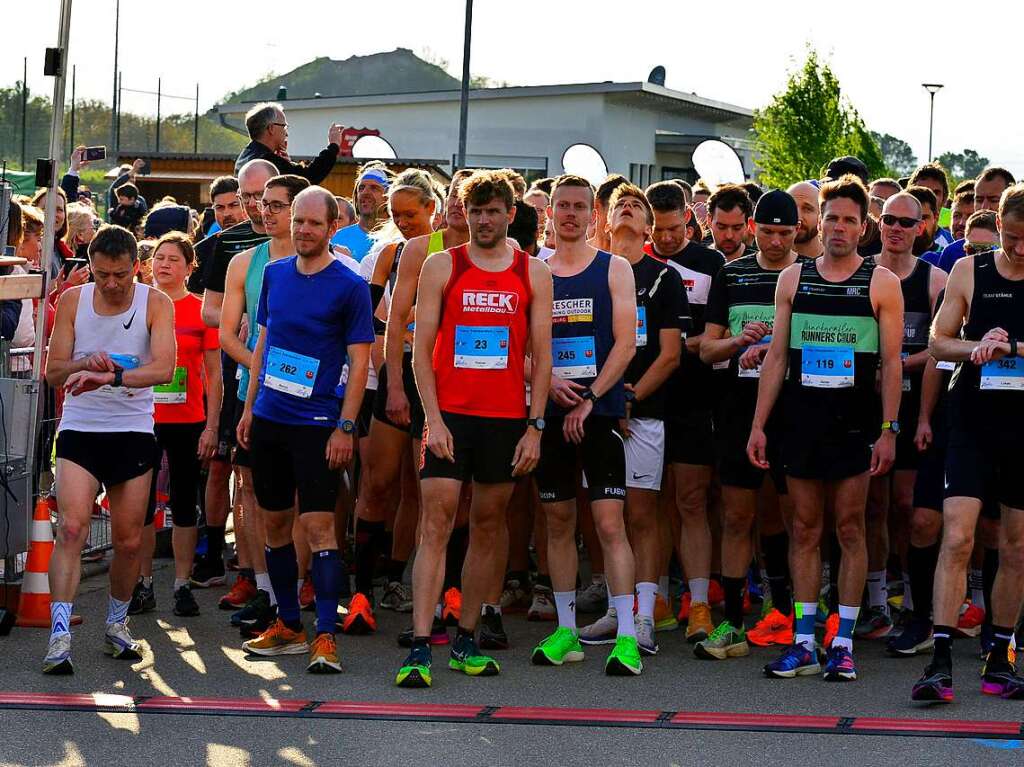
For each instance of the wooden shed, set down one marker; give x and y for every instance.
(187, 177)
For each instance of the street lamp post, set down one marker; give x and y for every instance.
(464, 96)
(932, 89)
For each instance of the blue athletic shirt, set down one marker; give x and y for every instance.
(951, 254)
(355, 239)
(310, 320)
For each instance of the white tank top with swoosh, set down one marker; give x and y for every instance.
(110, 409)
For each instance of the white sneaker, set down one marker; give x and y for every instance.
(542, 608)
(592, 599)
(601, 631)
(645, 635)
(119, 643)
(58, 656)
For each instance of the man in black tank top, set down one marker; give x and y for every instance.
(920, 284)
(979, 327)
(835, 318)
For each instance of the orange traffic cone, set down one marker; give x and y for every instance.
(34, 606)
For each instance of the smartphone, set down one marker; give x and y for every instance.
(146, 169)
(71, 264)
(95, 153)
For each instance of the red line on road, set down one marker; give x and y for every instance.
(579, 717)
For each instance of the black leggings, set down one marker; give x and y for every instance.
(181, 443)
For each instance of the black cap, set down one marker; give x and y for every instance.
(776, 207)
(840, 166)
(170, 218)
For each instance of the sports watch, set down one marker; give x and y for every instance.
(537, 423)
(347, 426)
(588, 393)
(118, 377)
(893, 426)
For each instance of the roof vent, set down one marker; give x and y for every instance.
(657, 76)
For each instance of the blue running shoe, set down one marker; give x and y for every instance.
(795, 660)
(839, 666)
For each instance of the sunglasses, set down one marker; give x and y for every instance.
(976, 248)
(904, 222)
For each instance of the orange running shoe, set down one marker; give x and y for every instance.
(323, 655)
(684, 608)
(716, 594)
(451, 611)
(240, 595)
(360, 618)
(307, 597)
(831, 629)
(774, 628)
(699, 625)
(277, 640)
(664, 620)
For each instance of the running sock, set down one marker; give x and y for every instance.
(804, 634)
(485, 606)
(422, 643)
(179, 582)
(247, 573)
(215, 544)
(776, 565)
(921, 563)
(645, 595)
(263, 584)
(437, 611)
(298, 586)
(977, 591)
(989, 568)
(327, 586)
(699, 590)
(147, 581)
(733, 588)
(877, 589)
(60, 618)
(455, 557)
(565, 603)
(847, 620)
(998, 656)
(908, 591)
(663, 588)
(942, 656)
(369, 540)
(283, 569)
(623, 604)
(117, 611)
(396, 570)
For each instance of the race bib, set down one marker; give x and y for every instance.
(1006, 374)
(574, 357)
(175, 392)
(641, 326)
(290, 372)
(945, 365)
(753, 372)
(481, 347)
(827, 367)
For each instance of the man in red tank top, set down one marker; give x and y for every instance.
(481, 308)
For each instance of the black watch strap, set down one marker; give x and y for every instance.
(118, 377)
(588, 393)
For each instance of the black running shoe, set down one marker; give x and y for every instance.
(185, 604)
(916, 637)
(143, 599)
(255, 611)
(934, 686)
(207, 573)
(1002, 681)
(492, 632)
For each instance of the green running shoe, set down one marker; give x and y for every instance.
(625, 658)
(724, 642)
(561, 647)
(465, 657)
(415, 672)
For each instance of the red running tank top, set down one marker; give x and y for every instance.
(481, 340)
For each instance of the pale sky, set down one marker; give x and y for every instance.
(880, 51)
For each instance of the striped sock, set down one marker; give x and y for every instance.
(60, 618)
(117, 611)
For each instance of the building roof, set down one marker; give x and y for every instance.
(401, 69)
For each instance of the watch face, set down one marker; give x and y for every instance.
(539, 422)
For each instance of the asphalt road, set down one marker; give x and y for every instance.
(202, 657)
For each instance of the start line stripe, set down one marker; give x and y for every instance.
(474, 714)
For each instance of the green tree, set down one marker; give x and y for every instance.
(965, 164)
(808, 124)
(899, 157)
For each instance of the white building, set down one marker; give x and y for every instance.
(643, 130)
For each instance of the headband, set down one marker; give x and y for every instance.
(375, 174)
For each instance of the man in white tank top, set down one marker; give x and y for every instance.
(112, 341)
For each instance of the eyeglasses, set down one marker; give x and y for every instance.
(976, 248)
(273, 206)
(280, 125)
(904, 222)
(251, 196)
